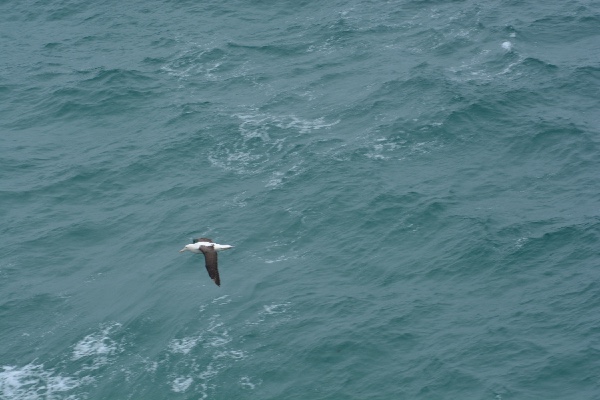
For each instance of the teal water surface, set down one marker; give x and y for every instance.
(412, 189)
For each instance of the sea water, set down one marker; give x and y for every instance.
(411, 187)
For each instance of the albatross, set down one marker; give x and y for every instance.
(209, 249)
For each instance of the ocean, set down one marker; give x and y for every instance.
(412, 188)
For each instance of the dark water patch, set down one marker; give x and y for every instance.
(39, 311)
(408, 98)
(116, 77)
(5, 89)
(190, 112)
(565, 26)
(340, 33)
(53, 45)
(577, 240)
(272, 50)
(476, 121)
(454, 45)
(155, 61)
(534, 67)
(98, 103)
(99, 17)
(566, 366)
(95, 40)
(198, 55)
(103, 93)
(67, 10)
(517, 104)
(558, 138)
(283, 102)
(164, 42)
(584, 80)
(50, 75)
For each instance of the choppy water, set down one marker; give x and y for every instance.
(412, 189)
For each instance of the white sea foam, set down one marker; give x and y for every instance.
(99, 346)
(275, 311)
(511, 65)
(214, 336)
(241, 162)
(278, 259)
(33, 382)
(375, 156)
(239, 200)
(327, 46)
(184, 345)
(274, 132)
(258, 124)
(150, 366)
(222, 300)
(383, 149)
(246, 383)
(520, 242)
(474, 68)
(234, 354)
(181, 384)
(189, 62)
(507, 45)
(219, 341)
(276, 308)
(423, 147)
(203, 393)
(277, 177)
(208, 373)
(214, 324)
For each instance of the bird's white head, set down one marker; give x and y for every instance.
(187, 247)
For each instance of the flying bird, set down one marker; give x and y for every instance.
(209, 249)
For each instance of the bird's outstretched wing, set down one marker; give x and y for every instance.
(202, 240)
(210, 257)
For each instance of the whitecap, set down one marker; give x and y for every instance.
(234, 354)
(98, 346)
(222, 300)
(520, 242)
(246, 383)
(257, 125)
(375, 156)
(278, 259)
(181, 384)
(150, 366)
(184, 345)
(219, 341)
(34, 382)
(276, 179)
(276, 308)
(208, 373)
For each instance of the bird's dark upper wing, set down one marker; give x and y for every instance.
(210, 256)
(202, 240)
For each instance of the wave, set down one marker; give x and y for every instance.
(33, 381)
(196, 363)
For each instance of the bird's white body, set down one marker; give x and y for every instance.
(195, 247)
(209, 248)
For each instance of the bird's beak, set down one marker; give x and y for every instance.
(182, 250)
